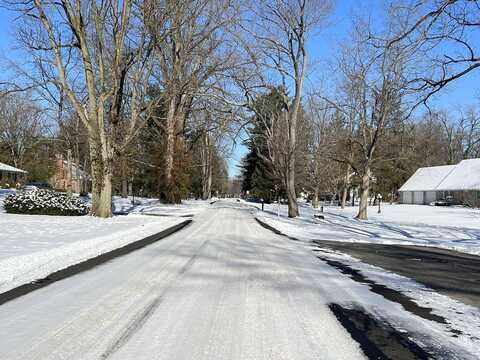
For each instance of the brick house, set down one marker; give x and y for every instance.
(68, 176)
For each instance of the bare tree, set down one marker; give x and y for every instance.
(469, 125)
(21, 125)
(376, 89)
(213, 124)
(320, 119)
(444, 32)
(280, 30)
(191, 48)
(96, 54)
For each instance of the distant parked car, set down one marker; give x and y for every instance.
(34, 185)
(447, 201)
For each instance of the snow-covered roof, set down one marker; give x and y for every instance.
(427, 178)
(8, 168)
(465, 176)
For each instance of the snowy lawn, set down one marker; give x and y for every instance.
(155, 207)
(33, 246)
(453, 228)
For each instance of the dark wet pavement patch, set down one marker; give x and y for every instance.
(389, 294)
(378, 340)
(448, 272)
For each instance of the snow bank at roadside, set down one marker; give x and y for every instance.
(31, 247)
(449, 228)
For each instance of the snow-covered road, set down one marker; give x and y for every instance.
(223, 288)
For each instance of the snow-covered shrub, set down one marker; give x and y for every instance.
(44, 202)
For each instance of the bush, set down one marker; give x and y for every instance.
(44, 202)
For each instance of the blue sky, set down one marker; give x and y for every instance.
(322, 50)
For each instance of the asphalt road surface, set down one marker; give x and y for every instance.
(222, 288)
(448, 272)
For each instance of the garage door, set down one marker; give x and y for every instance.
(418, 197)
(430, 196)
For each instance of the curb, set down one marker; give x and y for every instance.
(88, 264)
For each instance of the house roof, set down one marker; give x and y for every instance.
(464, 176)
(427, 178)
(8, 168)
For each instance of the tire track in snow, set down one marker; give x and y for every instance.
(141, 317)
(135, 324)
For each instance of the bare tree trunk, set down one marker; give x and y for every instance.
(102, 182)
(104, 196)
(291, 194)
(344, 196)
(169, 150)
(364, 191)
(69, 172)
(315, 198)
(207, 183)
(292, 144)
(346, 182)
(206, 168)
(124, 175)
(84, 178)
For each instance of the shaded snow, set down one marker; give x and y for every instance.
(421, 229)
(226, 289)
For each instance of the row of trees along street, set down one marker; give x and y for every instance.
(155, 94)
(372, 125)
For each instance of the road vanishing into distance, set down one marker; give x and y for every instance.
(222, 288)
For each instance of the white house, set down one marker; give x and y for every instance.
(11, 175)
(461, 182)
